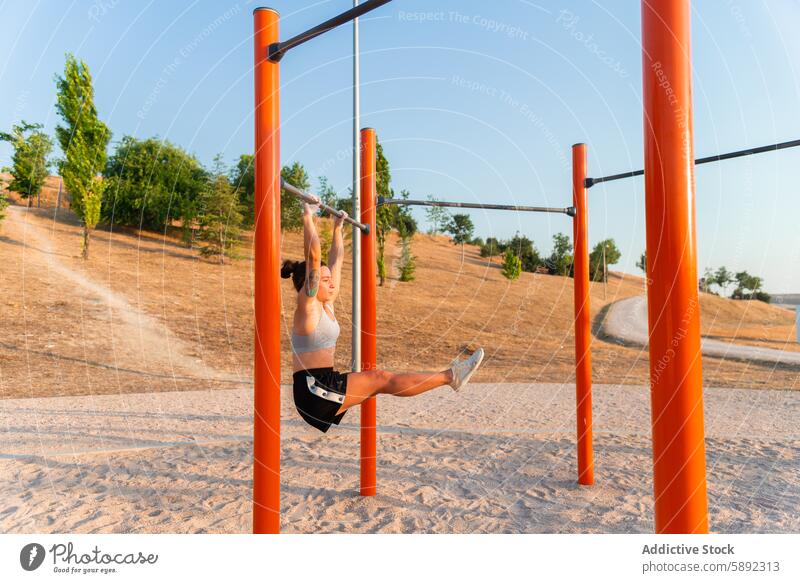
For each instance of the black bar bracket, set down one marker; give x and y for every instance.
(274, 53)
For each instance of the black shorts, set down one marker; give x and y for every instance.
(315, 410)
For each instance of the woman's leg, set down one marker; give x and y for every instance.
(363, 385)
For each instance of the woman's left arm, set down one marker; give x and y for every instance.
(336, 254)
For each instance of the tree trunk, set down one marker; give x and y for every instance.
(30, 202)
(86, 236)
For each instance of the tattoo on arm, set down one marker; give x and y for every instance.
(312, 283)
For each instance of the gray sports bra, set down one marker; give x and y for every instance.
(324, 335)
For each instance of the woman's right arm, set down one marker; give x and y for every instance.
(312, 249)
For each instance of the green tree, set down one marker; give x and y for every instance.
(220, 216)
(327, 194)
(707, 280)
(384, 214)
(408, 262)
(406, 227)
(723, 278)
(642, 263)
(461, 228)
(83, 139)
(437, 217)
(561, 257)
(747, 286)
(491, 247)
(402, 219)
(150, 183)
(30, 160)
(383, 226)
(243, 179)
(512, 265)
(291, 206)
(598, 262)
(388, 217)
(526, 251)
(3, 207)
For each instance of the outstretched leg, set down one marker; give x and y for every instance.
(363, 385)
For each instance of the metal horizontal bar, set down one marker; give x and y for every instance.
(748, 152)
(314, 199)
(277, 50)
(737, 154)
(471, 205)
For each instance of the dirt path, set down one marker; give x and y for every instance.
(113, 333)
(627, 322)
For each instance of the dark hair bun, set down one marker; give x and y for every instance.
(287, 269)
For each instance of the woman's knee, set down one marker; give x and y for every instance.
(382, 379)
(369, 383)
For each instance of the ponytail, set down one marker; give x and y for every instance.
(296, 270)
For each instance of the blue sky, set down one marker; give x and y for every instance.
(473, 101)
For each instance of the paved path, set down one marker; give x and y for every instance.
(626, 322)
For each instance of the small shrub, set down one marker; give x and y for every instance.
(408, 264)
(512, 265)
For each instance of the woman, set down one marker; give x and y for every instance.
(321, 394)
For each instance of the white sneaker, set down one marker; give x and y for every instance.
(464, 369)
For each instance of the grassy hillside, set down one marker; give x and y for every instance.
(52, 330)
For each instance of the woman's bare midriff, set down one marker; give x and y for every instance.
(317, 359)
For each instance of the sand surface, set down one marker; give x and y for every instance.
(500, 458)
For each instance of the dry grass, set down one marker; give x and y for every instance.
(56, 341)
(748, 322)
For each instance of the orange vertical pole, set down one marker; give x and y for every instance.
(676, 382)
(267, 366)
(369, 350)
(583, 331)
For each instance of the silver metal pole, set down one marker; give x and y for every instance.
(356, 307)
(474, 205)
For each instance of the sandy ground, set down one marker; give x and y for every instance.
(500, 458)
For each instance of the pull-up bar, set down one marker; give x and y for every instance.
(738, 154)
(314, 199)
(570, 210)
(277, 50)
